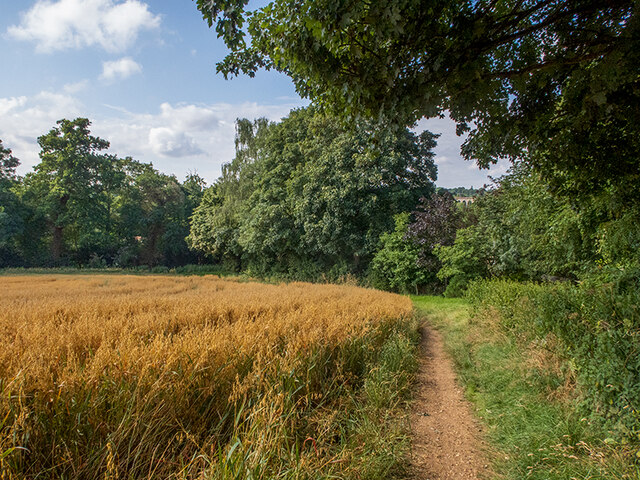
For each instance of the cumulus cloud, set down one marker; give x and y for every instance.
(64, 24)
(183, 137)
(11, 103)
(176, 138)
(76, 87)
(123, 68)
(170, 143)
(24, 119)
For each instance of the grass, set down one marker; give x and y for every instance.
(140, 270)
(524, 397)
(135, 377)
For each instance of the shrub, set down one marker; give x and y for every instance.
(598, 328)
(396, 264)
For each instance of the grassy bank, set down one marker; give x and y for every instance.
(106, 376)
(527, 399)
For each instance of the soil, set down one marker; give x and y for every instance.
(447, 439)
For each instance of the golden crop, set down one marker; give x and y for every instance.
(91, 364)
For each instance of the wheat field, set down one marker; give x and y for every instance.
(118, 376)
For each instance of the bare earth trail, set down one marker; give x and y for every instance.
(446, 441)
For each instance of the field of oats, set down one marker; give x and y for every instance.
(163, 377)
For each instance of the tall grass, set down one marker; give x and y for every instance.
(168, 377)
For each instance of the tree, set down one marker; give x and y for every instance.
(522, 232)
(396, 264)
(306, 197)
(435, 222)
(11, 221)
(153, 217)
(8, 164)
(551, 82)
(67, 181)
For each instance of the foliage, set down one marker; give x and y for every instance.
(618, 240)
(11, 222)
(435, 222)
(85, 207)
(463, 261)
(69, 180)
(597, 327)
(105, 376)
(305, 197)
(406, 260)
(153, 214)
(395, 265)
(523, 231)
(462, 191)
(550, 82)
(8, 164)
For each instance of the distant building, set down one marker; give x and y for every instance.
(465, 200)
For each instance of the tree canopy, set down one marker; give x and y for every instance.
(306, 196)
(83, 206)
(549, 81)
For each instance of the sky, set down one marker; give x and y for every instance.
(144, 74)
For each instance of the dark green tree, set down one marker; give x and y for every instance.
(67, 181)
(523, 232)
(551, 82)
(153, 220)
(396, 264)
(307, 196)
(11, 208)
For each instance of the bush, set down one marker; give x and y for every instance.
(598, 328)
(396, 264)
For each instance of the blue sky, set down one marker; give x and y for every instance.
(144, 74)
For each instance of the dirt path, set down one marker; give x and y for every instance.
(446, 444)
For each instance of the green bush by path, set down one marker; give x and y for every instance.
(597, 328)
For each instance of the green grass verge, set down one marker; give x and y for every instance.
(142, 270)
(521, 395)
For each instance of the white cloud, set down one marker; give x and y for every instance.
(76, 87)
(184, 137)
(177, 138)
(24, 119)
(123, 68)
(64, 24)
(170, 143)
(453, 170)
(8, 104)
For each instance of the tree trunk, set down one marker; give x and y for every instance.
(56, 246)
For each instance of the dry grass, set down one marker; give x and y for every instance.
(158, 377)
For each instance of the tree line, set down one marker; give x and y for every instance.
(83, 207)
(305, 198)
(548, 84)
